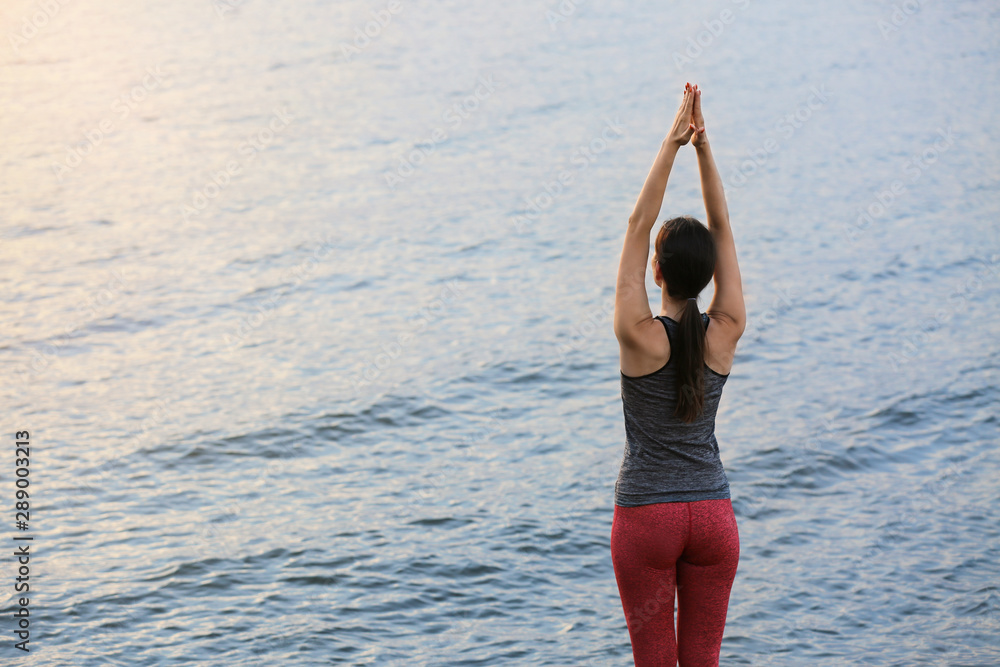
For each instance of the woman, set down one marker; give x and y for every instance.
(674, 529)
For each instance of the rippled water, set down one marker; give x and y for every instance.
(317, 360)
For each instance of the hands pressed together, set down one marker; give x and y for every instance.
(689, 125)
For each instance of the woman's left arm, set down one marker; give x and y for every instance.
(632, 312)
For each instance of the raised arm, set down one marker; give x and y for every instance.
(727, 304)
(632, 314)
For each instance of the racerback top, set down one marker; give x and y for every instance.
(667, 460)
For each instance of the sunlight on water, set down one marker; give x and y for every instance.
(308, 313)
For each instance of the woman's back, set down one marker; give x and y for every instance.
(667, 459)
(674, 529)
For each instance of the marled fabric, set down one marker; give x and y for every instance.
(665, 459)
(692, 549)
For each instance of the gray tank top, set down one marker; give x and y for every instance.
(665, 459)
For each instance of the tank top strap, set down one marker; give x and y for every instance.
(664, 320)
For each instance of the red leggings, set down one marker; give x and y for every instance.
(691, 548)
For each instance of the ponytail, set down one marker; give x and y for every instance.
(685, 251)
(690, 355)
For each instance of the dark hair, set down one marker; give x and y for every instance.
(685, 251)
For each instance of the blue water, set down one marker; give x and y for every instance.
(316, 354)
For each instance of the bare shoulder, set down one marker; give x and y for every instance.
(646, 350)
(722, 336)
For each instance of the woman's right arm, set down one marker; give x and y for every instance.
(727, 304)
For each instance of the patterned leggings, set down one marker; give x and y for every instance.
(689, 547)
